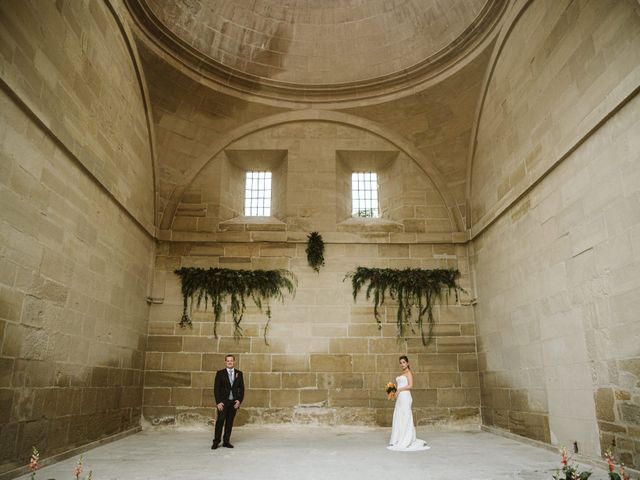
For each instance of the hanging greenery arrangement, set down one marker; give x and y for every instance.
(216, 284)
(315, 251)
(410, 287)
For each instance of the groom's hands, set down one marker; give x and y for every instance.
(236, 405)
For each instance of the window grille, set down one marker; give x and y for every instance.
(364, 195)
(257, 196)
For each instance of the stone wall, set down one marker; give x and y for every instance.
(75, 68)
(561, 69)
(317, 158)
(556, 271)
(326, 362)
(76, 204)
(557, 279)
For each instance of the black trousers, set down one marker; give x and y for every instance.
(225, 417)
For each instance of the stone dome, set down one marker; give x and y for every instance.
(317, 47)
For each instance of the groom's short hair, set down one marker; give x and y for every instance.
(229, 355)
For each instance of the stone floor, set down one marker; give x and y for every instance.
(299, 452)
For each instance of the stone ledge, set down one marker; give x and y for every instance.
(359, 225)
(267, 224)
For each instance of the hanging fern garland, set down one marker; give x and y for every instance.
(315, 251)
(216, 284)
(410, 287)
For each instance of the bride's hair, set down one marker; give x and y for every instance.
(406, 359)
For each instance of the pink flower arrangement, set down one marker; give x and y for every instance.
(611, 462)
(34, 465)
(78, 470)
(33, 462)
(568, 470)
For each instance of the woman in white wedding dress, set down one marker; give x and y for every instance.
(403, 433)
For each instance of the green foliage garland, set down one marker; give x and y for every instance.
(410, 287)
(315, 251)
(215, 284)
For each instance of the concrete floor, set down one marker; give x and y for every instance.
(301, 452)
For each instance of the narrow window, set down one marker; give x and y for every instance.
(257, 196)
(364, 194)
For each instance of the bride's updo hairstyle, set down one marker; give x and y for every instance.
(406, 359)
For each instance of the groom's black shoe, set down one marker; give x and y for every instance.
(228, 445)
(214, 446)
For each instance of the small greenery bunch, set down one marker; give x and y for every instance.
(569, 471)
(315, 251)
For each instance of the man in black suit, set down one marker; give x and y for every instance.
(228, 390)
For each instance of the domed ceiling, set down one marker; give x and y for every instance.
(308, 48)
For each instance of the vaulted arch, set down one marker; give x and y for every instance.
(313, 115)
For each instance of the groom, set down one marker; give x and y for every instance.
(228, 390)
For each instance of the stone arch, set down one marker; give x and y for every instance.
(129, 42)
(425, 164)
(512, 18)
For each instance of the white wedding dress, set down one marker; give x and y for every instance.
(403, 433)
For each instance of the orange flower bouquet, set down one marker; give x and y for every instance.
(391, 390)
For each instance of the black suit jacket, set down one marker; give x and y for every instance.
(222, 387)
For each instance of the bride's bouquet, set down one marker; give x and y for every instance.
(391, 390)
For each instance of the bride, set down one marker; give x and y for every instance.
(403, 433)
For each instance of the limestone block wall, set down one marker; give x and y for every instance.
(76, 206)
(73, 282)
(560, 71)
(439, 121)
(75, 67)
(188, 118)
(555, 196)
(557, 280)
(315, 188)
(326, 361)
